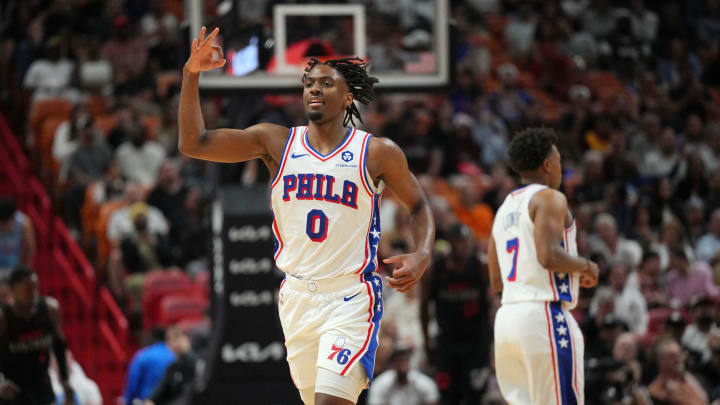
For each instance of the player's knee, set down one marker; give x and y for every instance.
(334, 389)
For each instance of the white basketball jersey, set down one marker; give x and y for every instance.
(524, 279)
(326, 210)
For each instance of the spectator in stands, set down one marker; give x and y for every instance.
(180, 376)
(696, 221)
(510, 102)
(650, 281)
(611, 245)
(17, 240)
(169, 197)
(630, 305)
(600, 19)
(144, 247)
(623, 384)
(66, 140)
(672, 236)
(709, 371)
(139, 157)
(147, 368)
(709, 150)
(51, 76)
(456, 286)
(645, 140)
(470, 209)
(157, 23)
(121, 222)
(520, 31)
(674, 385)
(91, 158)
(664, 161)
(708, 246)
(686, 281)
(696, 335)
(127, 54)
(402, 385)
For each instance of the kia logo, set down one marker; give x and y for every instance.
(251, 298)
(252, 352)
(249, 233)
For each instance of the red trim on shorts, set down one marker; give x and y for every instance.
(369, 334)
(552, 352)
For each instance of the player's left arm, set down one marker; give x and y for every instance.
(59, 347)
(387, 161)
(494, 267)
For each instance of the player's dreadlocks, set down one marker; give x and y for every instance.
(354, 71)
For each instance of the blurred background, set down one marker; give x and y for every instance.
(156, 267)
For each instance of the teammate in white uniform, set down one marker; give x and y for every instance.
(327, 182)
(533, 261)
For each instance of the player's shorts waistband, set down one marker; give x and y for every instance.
(321, 286)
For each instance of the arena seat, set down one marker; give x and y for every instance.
(177, 307)
(159, 284)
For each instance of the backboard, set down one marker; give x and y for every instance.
(406, 41)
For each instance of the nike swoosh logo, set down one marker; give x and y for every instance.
(297, 156)
(351, 297)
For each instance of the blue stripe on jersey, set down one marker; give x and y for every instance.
(562, 287)
(307, 142)
(562, 281)
(564, 353)
(368, 359)
(373, 237)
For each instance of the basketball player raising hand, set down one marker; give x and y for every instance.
(532, 257)
(327, 181)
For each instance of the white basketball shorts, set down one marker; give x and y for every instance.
(331, 324)
(539, 354)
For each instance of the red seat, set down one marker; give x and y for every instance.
(202, 281)
(157, 285)
(175, 308)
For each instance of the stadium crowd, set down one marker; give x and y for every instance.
(631, 89)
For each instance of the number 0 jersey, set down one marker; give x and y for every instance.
(326, 219)
(523, 277)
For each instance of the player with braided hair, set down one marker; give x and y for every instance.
(327, 181)
(354, 71)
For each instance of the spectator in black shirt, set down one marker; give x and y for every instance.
(457, 287)
(180, 375)
(169, 197)
(709, 371)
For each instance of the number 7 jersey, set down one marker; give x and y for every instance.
(326, 219)
(524, 278)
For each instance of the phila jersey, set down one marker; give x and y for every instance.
(524, 279)
(326, 219)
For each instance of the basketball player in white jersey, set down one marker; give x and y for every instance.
(327, 182)
(533, 261)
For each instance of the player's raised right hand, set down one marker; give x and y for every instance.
(589, 278)
(203, 54)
